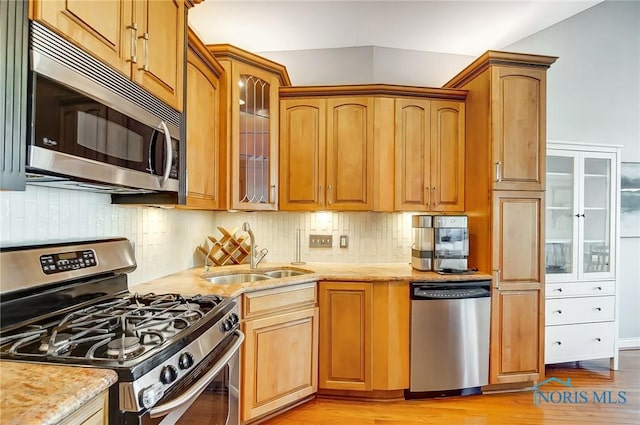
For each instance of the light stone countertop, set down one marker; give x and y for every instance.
(38, 394)
(41, 394)
(191, 282)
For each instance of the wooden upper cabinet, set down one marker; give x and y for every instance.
(429, 155)
(98, 27)
(326, 154)
(160, 48)
(302, 153)
(142, 39)
(413, 154)
(447, 155)
(205, 156)
(518, 120)
(349, 184)
(250, 111)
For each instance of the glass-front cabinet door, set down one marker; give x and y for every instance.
(580, 219)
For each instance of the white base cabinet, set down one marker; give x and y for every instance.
(582, 239)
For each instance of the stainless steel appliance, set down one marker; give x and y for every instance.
(92, 128)
(449, 353)
(68, 303)
(451, 243)
(422, 244)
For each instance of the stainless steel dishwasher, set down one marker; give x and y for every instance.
(449, 338)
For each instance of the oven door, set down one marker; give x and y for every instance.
(210, 396)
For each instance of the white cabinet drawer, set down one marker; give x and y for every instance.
(562, 311)
(556, 290)
(579, 342)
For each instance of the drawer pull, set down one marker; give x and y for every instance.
(558, 342)
(558, 289)
(598, 309)
(598, 339)
(599, 288)
(558, 311)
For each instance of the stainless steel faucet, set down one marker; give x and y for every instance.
(255, 256)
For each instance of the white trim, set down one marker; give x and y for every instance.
(629, 343)
(583, 146)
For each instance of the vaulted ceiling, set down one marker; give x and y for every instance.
(446, 26)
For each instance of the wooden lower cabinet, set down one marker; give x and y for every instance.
(95, 412)
(516, 337)
(280, 352)
(364, 336)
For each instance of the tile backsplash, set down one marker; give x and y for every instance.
(166, 240)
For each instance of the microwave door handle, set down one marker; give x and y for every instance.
(168, 154)
(152, 151)
(196, 389)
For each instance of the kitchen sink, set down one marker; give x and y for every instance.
(284, 273)
(228, 279)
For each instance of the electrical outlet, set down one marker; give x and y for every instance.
(344, 241)
(320, 241)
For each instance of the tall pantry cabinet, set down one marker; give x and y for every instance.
(504, 199)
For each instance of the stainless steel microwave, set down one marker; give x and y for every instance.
(91, 128)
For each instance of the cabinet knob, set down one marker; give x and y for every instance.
(559, 311)
(599, 288)
(598, 309)
(598, 339)
(558, 342)
(558, 289)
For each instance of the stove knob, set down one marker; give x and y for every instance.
(234, 318)
(168, 374)
(185, 361)
(227, 325)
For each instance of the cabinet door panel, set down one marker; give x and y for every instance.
(518, 122)
(202, 135)
(302, 154)
(447, 156)
(412, 154)
(345, 336)
(517, 336)
(350, 153)
(280, 361)
(97, 27)
(518, 228)
(159, 67)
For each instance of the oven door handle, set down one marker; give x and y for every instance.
(196, 389)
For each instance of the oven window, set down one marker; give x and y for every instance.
(212, 406)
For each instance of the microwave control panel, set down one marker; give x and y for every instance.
(66, 261)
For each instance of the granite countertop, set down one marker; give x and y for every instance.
(38, 394)
(191, 282)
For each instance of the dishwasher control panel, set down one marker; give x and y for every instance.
(450, 291)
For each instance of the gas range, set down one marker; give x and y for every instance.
(84, 315)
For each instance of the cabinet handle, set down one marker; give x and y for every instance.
(435, 197)
(598, 288)
(496, 278)
(145, 41)
(329, 194)
(558, 342)
(598, 339)
(558, 311)
(499, 171)
(598, 309)
(558, 289)
(321, 195)
(134, 46)
(273, 193)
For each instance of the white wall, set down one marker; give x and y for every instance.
(593, 95)
(369, 65)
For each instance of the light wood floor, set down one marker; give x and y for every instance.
(507, 409)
